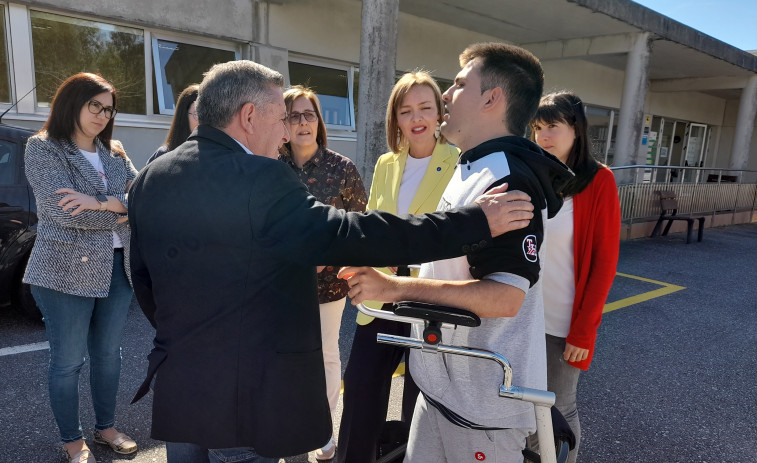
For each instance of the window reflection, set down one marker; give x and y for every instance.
(603, 126)
(178, 65)
(332, 87)
(64, 46)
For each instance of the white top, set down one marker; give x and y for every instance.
(412, 176)
(559, 273)
(94, 159)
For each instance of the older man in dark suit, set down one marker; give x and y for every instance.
(225, 240)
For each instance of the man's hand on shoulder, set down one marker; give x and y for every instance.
(506, 210)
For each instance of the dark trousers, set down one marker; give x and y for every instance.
(367, 384)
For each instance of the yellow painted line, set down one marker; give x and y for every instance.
(667, 288)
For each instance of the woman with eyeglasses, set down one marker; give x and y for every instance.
(183, 123)
(333, 179)
(79, 267)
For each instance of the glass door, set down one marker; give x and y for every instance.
(665, 147)
(693, 149)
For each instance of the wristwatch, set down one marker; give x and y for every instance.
(103, 201)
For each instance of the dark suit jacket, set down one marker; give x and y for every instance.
(224, 246)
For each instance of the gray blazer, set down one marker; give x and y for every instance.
(74, 255)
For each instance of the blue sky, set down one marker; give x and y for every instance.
(732, 21)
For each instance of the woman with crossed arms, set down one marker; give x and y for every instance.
(79, 266)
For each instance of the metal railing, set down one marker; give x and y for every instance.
(699, 190)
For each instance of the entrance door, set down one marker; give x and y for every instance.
(670, 148)
(694, 149)
(664, 142)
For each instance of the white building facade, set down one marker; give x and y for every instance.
(657, 92)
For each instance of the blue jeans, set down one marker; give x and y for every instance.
(76, 325)
(183, 452)
(238, 455)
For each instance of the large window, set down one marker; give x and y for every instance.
(178, 65)
(337, 88)
(64, 46)
(5, 93)
(334, 86)
(603, 126)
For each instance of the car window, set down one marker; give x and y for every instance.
(7, 162)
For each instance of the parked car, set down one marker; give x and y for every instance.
(18, 221)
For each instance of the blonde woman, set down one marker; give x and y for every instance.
(410, 179)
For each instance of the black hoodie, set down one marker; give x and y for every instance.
(534, 171)
(550, 173)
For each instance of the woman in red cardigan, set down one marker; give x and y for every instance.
(581, 252)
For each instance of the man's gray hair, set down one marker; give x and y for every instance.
(226, 87)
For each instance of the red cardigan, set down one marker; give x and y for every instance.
(596, 244)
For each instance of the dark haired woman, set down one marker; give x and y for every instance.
(582, 251)
(79, 266)
(184, 121)
(333, 179)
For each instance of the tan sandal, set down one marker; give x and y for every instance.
(85, 456)
(122, 443)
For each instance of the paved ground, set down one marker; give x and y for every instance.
(673, 377)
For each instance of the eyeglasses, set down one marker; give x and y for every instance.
(95, 107)
(193, 115)
(295, 118)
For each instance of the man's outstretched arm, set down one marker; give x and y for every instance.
(485, 298)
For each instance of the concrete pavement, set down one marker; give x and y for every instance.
(673, 378)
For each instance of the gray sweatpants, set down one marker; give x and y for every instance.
(433, 439)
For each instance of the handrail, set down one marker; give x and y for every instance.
(647, 166)
(716, 192)
(689, 174)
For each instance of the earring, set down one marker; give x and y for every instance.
(438, 130)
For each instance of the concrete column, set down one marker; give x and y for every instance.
(378, 56)
(631, 113)
(742, 139)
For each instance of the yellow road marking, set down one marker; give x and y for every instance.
(667, 288)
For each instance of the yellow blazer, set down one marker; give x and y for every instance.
(385, 188)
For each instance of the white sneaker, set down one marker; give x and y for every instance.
(326, 452)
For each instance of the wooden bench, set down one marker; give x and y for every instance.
(669, 209)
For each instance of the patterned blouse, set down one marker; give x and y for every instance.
(333, 179)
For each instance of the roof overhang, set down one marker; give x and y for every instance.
(599, 31)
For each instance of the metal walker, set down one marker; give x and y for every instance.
(437, 317)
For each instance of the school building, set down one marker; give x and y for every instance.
(657, 92)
